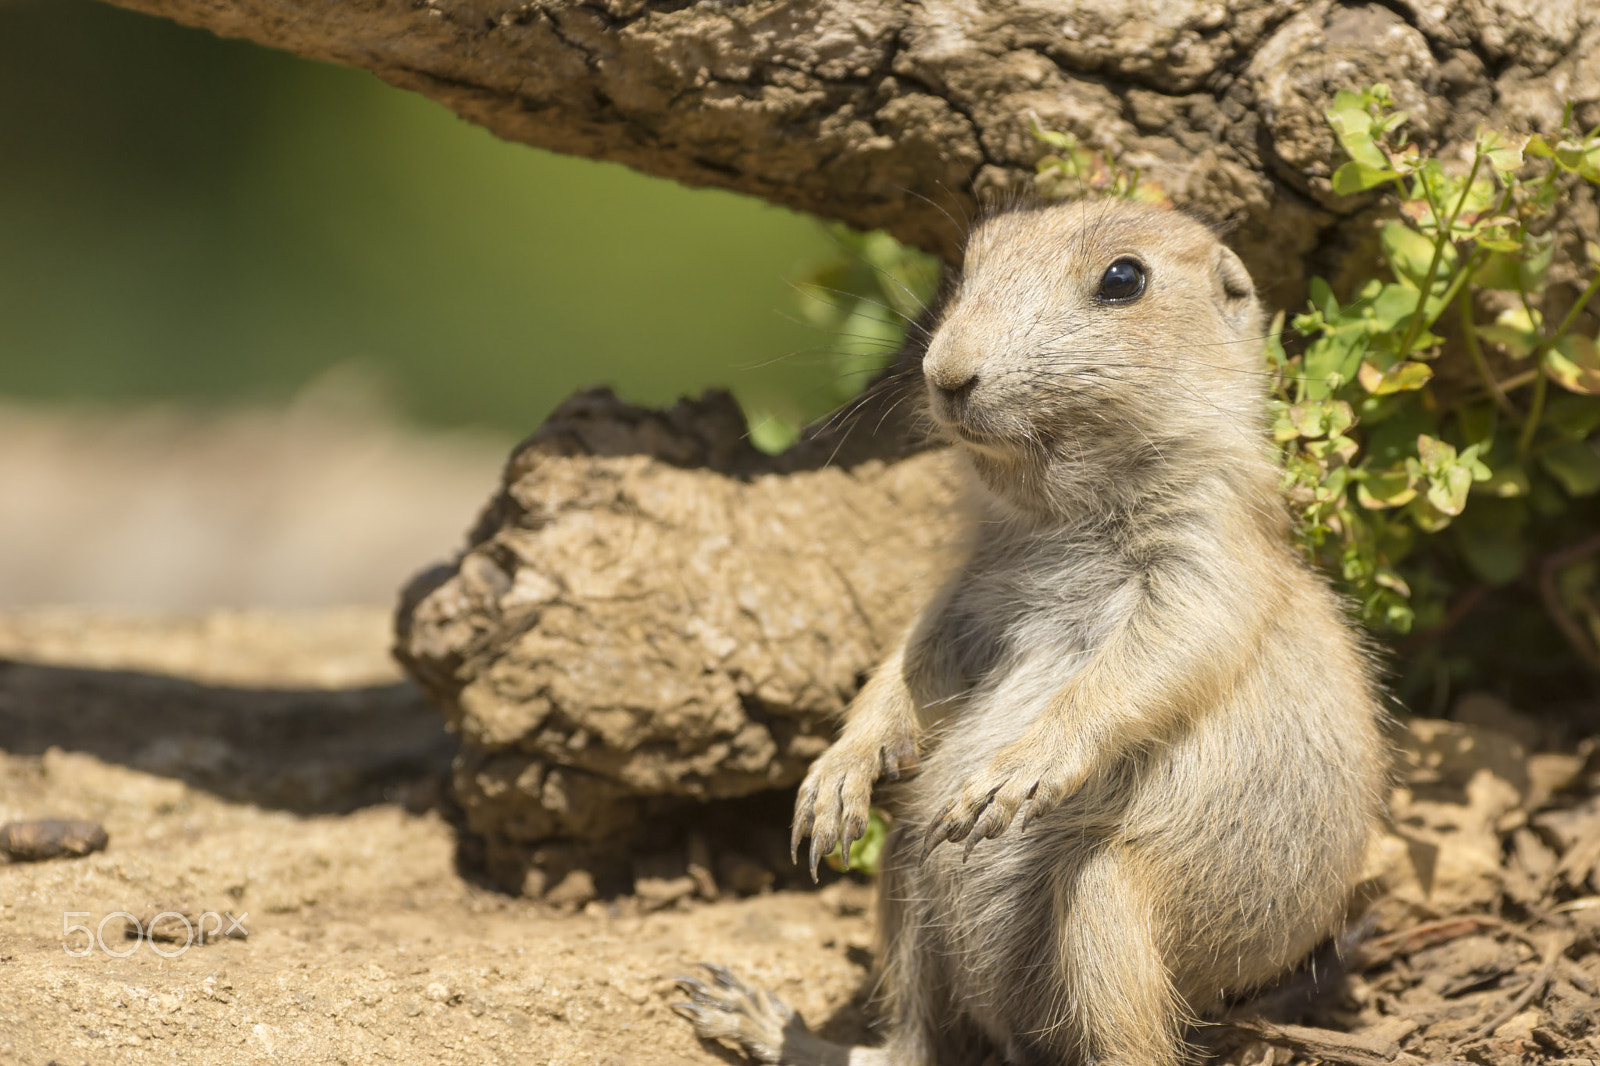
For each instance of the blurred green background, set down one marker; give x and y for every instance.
(187, 218)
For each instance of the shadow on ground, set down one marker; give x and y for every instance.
(308, 751)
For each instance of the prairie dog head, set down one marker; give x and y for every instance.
(1102, 332)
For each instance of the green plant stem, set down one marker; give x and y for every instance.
(1479, 362)
(1458, 281)
(1572, 315)
(1414, 328)
(1541, 385)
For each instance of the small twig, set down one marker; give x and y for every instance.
(1475, 350)
(1465, 605)
(1325, 1045)
(1541, 980)
(1390, 946)
(1549, 567)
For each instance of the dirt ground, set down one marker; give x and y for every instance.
(231, 783)
(272, 772)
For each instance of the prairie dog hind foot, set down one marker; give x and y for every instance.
(766, 1028)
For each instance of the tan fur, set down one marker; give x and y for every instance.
(1132, 658)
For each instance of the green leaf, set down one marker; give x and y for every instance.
(1391, 488)
(1506, 482)
(1502, 154)
(1394, 305)
(1477, 421)
(1353, 129)
(1574, 364)
(1322, 298)
(771, 433)
(1062, 141)
(1573, 417)
(1349, 100)
(1334, 451)
(1500, 268)
(1490, 539)
(1394, 439)
(1448, 491)
(1569, 156)
(1340, 417)
(1283, 427)
(1519, 267)
(1316, 418)
(1402, 377)
(1515, 330)
(1434, 454)
(1356, 177)
(1575, 465)
(1385, 577)
(1276, 356)
(1469, 459)
(1332, 360)
(1409, 254)
(1482, 193)
(1427, 517)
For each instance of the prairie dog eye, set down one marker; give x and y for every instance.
(1122, 283)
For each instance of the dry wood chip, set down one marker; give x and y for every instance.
(1531, 869)
(1344, 1049)
(1379, 950)
(1550, 773)
(1552, 954)
(1580, 863)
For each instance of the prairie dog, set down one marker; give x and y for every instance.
(1147, 743)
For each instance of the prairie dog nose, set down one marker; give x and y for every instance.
(951, 365)
(954, 384)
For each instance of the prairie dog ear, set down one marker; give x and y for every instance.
(1235, 292)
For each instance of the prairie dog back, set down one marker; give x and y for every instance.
(1146, 742)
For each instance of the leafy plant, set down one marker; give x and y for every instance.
(1437, 418)
(865, 298)
(1388, 444)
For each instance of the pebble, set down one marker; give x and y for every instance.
(51, 838)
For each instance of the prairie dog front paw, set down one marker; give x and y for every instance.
(834, 799)
(1034, 775)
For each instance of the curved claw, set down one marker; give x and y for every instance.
(805, 818)
(898, 758)
(940, 829)
(855, 827)
(722, 976)
(832, 803)
(694, 988)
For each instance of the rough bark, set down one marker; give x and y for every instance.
(653, 614)
(904, 115)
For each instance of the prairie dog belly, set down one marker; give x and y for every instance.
(1247, 825)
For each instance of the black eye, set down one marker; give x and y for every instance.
(1123, 282)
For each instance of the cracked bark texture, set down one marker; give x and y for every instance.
(652, 614)
(905, 115)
